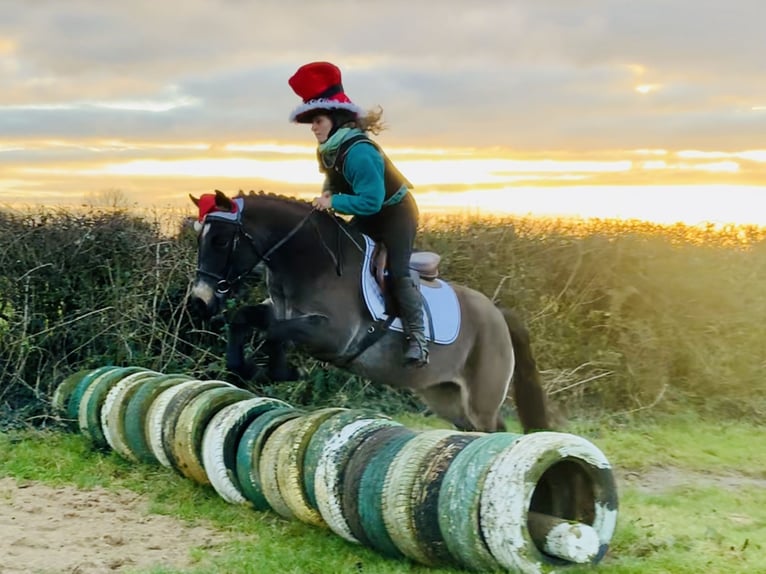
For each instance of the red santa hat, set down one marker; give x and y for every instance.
(319, 85)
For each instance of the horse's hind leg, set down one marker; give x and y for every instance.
(487, 378)
(446, 401)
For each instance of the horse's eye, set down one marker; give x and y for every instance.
(220, 241)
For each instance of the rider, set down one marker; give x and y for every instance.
(361, 181)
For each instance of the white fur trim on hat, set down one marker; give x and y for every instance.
(324, 105)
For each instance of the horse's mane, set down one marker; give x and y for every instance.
(275, 196)
(301, 203)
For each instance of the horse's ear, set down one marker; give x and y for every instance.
(222, 202)
(195, 201)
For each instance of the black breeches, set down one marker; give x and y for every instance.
(394, 226)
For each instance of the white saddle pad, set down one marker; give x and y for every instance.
(440, 298)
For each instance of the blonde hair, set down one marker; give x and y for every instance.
(372, 121)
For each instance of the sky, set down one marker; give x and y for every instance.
(653, 109)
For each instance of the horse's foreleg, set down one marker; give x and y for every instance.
(300, 330)
(278, 368)
(241, 326)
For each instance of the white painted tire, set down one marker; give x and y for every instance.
(213, 440)
(511, 481)
(328, 480)
(114, 403)
(154, 420)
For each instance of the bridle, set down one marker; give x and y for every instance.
(224, 284)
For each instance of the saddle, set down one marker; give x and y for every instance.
(424, 265)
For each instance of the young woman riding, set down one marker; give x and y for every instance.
(360, 180)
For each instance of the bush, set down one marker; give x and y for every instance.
(623, 315)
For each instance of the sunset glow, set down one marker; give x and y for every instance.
(687, 186)
(589, 111)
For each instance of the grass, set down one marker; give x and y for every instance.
(712, 526)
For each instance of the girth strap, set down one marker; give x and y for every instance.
(373, 335)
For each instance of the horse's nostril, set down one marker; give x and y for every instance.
(199, 308)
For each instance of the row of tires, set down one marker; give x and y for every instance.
(438, 497)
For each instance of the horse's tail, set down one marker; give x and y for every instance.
(528, 393)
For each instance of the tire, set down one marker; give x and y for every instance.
(518, 471)
(371, 492)
(155, 417)
(113, 411)
(191, 425)
(137, 412)
(173, 412)
(331, 468)
(425, 493)
(249, 452)
(89, 415)
(356, 466)
(290, 467)
(459, 498)
(220, 444)
(75, 397)
(399, 500)
(63, 393)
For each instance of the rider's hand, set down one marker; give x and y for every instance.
(323, 202)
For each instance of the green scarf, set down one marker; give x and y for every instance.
(329, 149)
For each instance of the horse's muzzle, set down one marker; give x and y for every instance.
(205, 301)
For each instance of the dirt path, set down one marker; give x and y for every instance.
(46, 530)
(659, 479)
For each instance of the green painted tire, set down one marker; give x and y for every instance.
(371, 493)
(191, 425)
(137, 410)
(93, 398)
(63, 393)
(322, 434)
(459, 519)
(358, 462)
(221, 440)
(75, 398)
(249, 452)
(331, 468)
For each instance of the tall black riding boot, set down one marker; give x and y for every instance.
(411, 311)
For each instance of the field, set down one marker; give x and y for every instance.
(649, 339)
(692, 499)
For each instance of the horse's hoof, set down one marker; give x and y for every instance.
(243, 372)
(284, 374)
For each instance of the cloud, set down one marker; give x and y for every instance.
(520, 75)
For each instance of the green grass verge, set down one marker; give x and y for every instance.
(711, 519)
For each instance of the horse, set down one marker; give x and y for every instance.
(314, 264)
